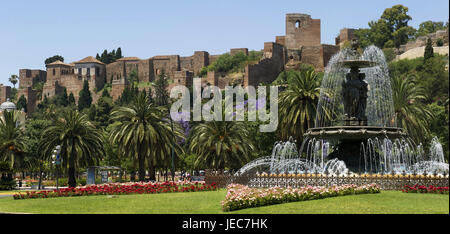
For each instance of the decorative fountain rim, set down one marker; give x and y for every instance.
(355, 132)
(352, 63)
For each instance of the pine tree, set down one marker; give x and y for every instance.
(85, 99)
(54, 58)
(97, 57)
(429, 53)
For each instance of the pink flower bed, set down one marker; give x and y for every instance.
(241, 197)
(120, 188)
(424, 189)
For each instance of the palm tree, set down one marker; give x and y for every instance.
(81, 143)
(410, 112)
(298, 103)
(220, 144)
(13, 79)
(12, 142)
(143, 133)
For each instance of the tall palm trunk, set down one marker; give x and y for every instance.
(133, 175)
(72, 180)
(152, 171)
(133, 172)
(40, 176)
(141, 159)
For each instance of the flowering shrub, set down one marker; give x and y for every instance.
(120, 188)
(424, 189)
(241, 197)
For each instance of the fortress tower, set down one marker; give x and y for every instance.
(301, 30)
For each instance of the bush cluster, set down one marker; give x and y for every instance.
(120, 189)
(241, 197)
(231, 63)
(424, 189)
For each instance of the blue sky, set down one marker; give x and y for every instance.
(31, 31)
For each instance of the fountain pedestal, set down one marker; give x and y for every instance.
(349, 151)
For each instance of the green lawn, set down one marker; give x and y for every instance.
(393, 202)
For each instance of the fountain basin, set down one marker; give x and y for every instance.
(355, 132)
(358, 63)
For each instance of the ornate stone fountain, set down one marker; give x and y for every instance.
(355, 128)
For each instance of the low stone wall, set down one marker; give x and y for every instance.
(419, 51)
(386, 182)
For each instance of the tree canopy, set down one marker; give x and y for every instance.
(54, 59)
(391, 30)
(109, 57)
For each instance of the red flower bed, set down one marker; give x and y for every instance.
(121, 188)
(424, 189)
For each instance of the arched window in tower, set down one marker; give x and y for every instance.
(297, 24)
(54, 72)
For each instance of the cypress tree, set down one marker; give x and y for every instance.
(161, 94)
(103, 110)
(45, 102)
(92, 112)
(71, 99)
(119, 53)
(85, 99)
(22, 103)
(105, 93)
(126, 96)
(104, 56)
(136, 92)
(150, 93)
(429, 53)
(64, 99)
(112, 56)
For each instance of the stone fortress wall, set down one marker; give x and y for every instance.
(416, 48)
(4, 93)
(300, 44)
(422, 41)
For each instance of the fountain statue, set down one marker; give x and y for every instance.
(355, 128)
(354, 91)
